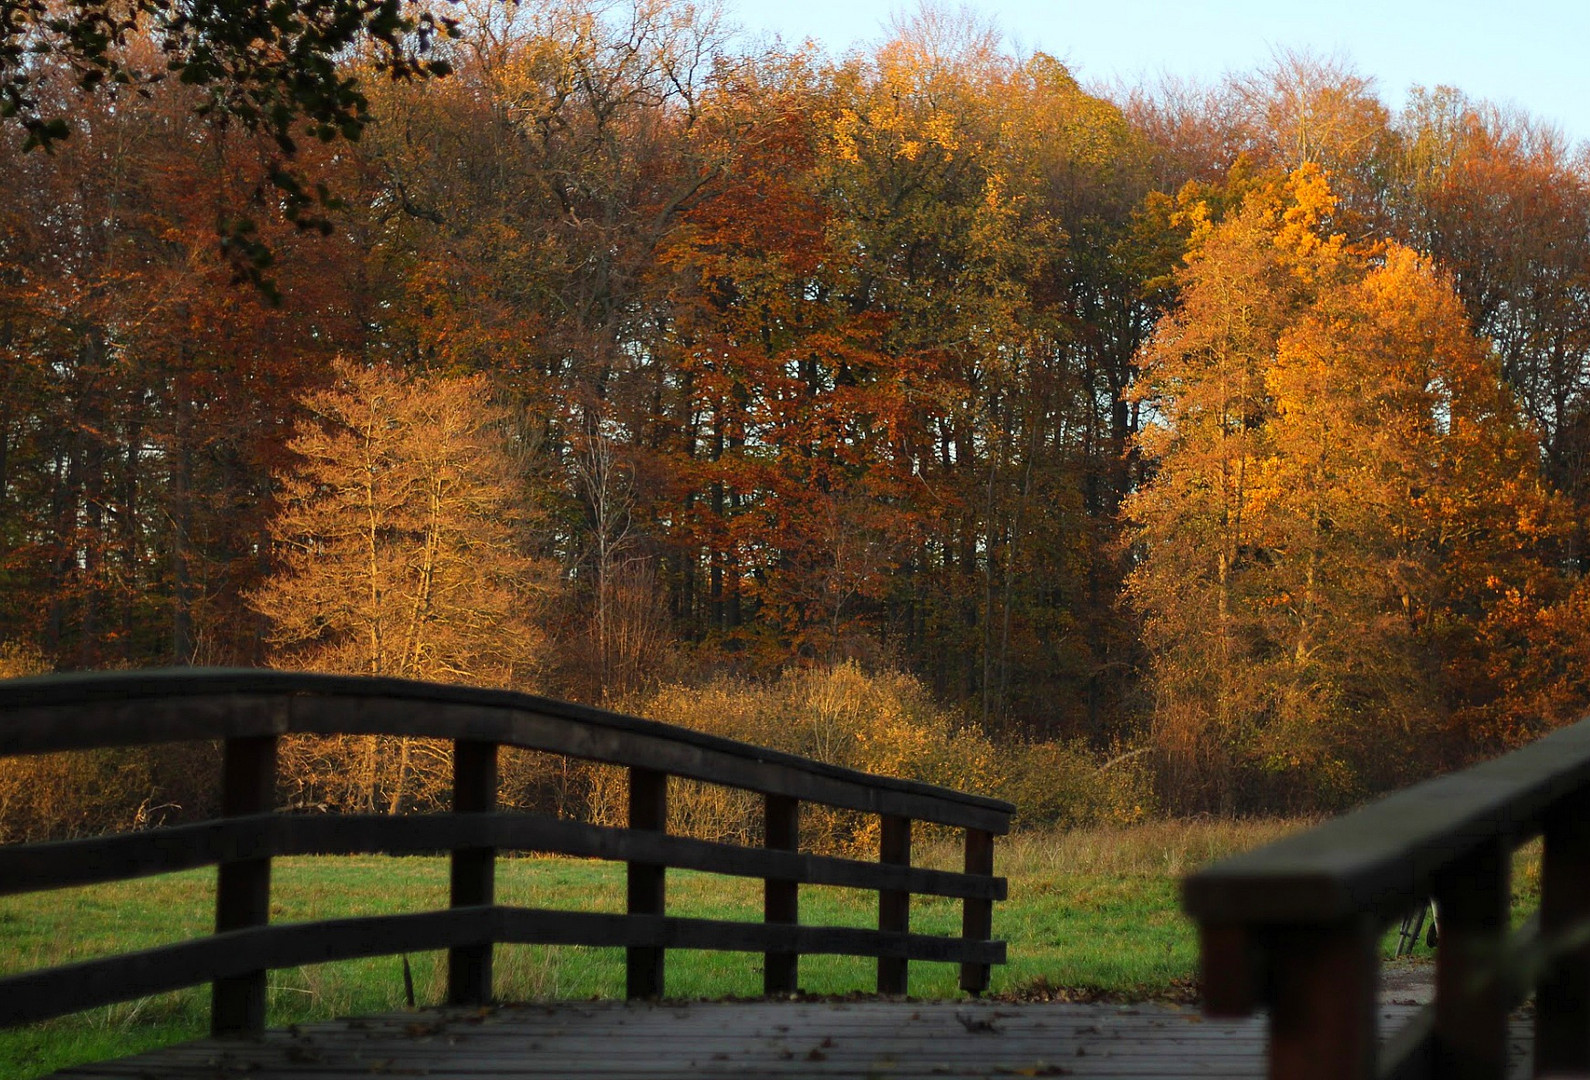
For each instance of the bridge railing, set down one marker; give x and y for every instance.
(1295, 926)
(250, 711)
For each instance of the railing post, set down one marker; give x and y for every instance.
(781, 899)
(243, 886)
(977, 916)
(473, 869)
(1322, 1012)
(648, 809)
(1562, 997)
(1471, 894)
(894, 907)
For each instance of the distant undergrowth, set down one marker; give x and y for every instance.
(888, 723)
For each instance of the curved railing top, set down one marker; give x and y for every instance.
(100, 709)
(249, 709)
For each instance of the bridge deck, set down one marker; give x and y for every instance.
(755, 1039)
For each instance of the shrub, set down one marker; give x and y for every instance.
(87, 792)
(19, 659)
(82, 793)
(1065, 784)
(880, 723)
(885, 723)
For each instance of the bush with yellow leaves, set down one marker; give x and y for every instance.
(85, 792)
(885, 723)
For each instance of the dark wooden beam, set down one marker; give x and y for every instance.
(647, 892)
(977, 915)
(894, 906)
(78, 712)
(1322, 1007)
(243, 886)
(473, 869)
(780, 897)
(68, 863)
(1562, 1000)
(1228, 959)
(57, 991)
(1470, 965)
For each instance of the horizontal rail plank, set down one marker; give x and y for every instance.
(659, 747)
(1383, 858)
(67, 863)
(532, 926)
(41, 728)
(85, 711)
(40, 995)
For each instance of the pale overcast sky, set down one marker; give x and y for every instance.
(1530, 53)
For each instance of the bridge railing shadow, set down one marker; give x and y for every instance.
(251, 711)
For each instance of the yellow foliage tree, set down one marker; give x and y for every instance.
(1343, 493)
(403, 550)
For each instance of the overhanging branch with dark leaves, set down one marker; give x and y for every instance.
(271, 66)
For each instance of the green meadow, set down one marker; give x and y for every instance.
(1091, 913)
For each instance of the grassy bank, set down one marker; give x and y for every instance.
(1090, 911)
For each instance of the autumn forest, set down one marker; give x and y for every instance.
(1227, 439)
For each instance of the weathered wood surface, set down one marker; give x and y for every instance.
(78, 712)
(862, 1039)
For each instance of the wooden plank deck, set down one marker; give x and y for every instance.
(869, 1039)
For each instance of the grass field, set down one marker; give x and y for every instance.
(1090, 912)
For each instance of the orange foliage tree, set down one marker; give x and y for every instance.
(403, 551)
(402, 536)
(1342, 498)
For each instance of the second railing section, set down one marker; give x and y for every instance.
(252, 711)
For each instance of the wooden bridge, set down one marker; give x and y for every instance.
(1289, 933)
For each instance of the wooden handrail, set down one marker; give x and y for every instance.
(88, 711)
(251, 710)
(1295, 926)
